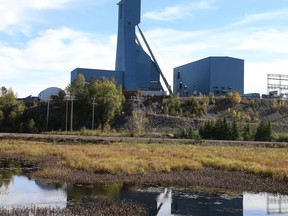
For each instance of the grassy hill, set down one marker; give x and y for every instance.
(170, 114)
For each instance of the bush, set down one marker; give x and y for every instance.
(189, 133)
(280, 137)
(212, 99)
(190, 108)
(234, 97)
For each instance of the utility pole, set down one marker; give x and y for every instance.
(48, 107)
(66, 119)
(72, 98)
(93, 112)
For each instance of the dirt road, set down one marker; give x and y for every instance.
(119, 139)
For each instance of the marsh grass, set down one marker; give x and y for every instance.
(128, 158)
(88, 132)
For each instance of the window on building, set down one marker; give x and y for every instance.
(178, 75)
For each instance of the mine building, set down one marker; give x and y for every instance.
(218, 75)
(135, 69)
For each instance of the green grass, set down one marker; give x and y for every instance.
(128, 158)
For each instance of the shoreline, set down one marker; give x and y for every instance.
(53, 168)
(209, 178)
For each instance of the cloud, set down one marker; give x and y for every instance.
(271, 15)
(178, 11)
(48, 59)
(18, 12)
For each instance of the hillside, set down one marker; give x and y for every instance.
(166, 115)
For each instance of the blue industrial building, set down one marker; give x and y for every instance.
(134, 70)
(218, 75)
(89, 74)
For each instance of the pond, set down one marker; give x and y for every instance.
(17, 189)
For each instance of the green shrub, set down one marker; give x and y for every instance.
(280, 137)
(189, 133)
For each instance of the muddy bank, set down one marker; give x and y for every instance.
(102, 208)
(207, 177)
(50, 169)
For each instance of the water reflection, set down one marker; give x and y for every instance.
(188, 202)
(77, 193)
(265, 204)
(277, 204)
(164, 202)
(23, 192)
(17, 189)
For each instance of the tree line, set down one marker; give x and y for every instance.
(222, 129)
(79, 100)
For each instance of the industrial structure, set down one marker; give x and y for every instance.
(135, 70)
(46, 94)
(218, 75)
(277, 85)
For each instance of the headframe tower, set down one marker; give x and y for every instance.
(140, 72)
(135, 70)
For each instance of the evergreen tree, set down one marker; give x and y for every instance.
(247, 133)
(208, 130)
(223, 129)
(234, 131)
(264, 131)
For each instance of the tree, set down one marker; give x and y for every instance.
(14, 117)
(234, 131)
(107, 98)
(108, 101)
(247, 133)
(219, 130)
(7, 98)
(78, 86)
(222, 130)
(11, 111)
(2, 117)
(208, 130)
(264, 131)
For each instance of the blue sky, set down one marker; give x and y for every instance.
(42, 41)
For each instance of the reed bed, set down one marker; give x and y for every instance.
(128, 158)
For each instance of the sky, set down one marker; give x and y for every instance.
(42, 41)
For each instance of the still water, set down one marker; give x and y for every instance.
(17, 189)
